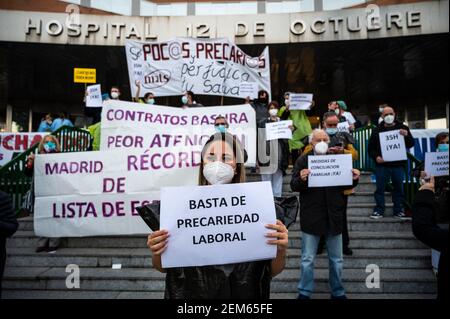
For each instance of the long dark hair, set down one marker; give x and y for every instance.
(238, 152)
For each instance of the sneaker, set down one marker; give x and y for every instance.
(41, 249)
(300, 296)
(401, 215)
(347, 251)
(52, 250)
(376, 215)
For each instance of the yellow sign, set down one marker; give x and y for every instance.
(81, 75)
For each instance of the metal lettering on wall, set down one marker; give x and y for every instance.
(365, 23)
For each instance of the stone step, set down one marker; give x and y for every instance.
(77, 294)
(415, 281)
(141, 258)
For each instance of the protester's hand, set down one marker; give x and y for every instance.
(379, 160)
(86, 93)
(423, 174)
(291, 127)
(403, 132)
(356, 173)
(30, 159)
(336, 150)
(428, 185)
(280, 236)
(313, 103)
(157, 241)
(137, 83)
(247, 100)
(304, 174)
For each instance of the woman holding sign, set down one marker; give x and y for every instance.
(222, 162)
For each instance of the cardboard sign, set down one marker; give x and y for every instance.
(392, 146)
(216, 225)
(343, 127)
(330, 170)
(300, 101)
(436, 164)
(83, 75)
(94, 97)
(249, 89)
(278, 130)
(128, 125)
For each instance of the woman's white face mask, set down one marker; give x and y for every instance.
(218, 173)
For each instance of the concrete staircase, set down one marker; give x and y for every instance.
(405, 263)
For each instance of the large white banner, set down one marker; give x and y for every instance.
(215, 225)
(180, 132)
(96, 193)
(12, 144)
(209, 67)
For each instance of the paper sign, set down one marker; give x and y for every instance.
(94, 96)
(392, 146)
(82, 75)
(343, 127)
(330, 170)
(216, 225)
(300, 101)
(436, 164)
(278, 130)
(249, 89)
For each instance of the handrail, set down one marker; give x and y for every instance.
(12, 177)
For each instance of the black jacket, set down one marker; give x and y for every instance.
(8, 221)
(283, 148)
(321, 208)
(374, 141)
(426, 230)
(261, 112)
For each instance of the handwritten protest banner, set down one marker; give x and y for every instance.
(300, 101)
(210, 67)
(128, 125)
(216, 225)
(392, 146)
(96, 193)
(330, 170)
(12, 144)
(278, 130)
(94, 96)
(436, 164)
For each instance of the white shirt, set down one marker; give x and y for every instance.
(350, 119)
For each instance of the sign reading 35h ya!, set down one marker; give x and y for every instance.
(209, 67)
(217, 224)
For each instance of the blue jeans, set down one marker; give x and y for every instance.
(276, 179)
(335, 264)
(383, 174)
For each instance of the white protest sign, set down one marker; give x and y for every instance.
(330, 170)
(203, 66)
(96, 193)
(216, 225)
(94, 96)
(249, 89)
(12, 144)
(436, 164)
(343, 127)
(300, 101)
(278, 130)
(392, 145)
(128, 125)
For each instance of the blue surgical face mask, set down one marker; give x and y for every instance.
(331, 130)
(220, 129)
(443, 148)
(49, 147)
(151, 101)
(184, 99)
